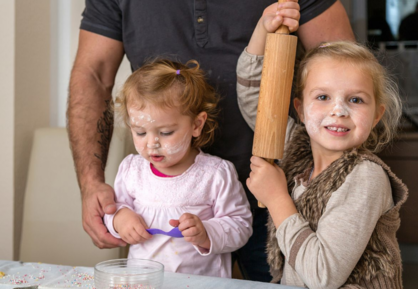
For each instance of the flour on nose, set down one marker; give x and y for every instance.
(340, 108)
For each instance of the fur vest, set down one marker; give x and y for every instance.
(381, 260)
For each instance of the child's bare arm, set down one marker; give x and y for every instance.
(286, 13)
(130, 226)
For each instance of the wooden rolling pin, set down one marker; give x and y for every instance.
(274, 99)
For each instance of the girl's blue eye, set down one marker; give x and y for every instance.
(140, 133)
(166, 133)
(322, 97)
(356, 100)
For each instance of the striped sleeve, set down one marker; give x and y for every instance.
(248, 85)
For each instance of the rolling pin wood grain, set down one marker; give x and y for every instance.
(275, 91)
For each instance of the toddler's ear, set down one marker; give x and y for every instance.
(198, 123)
(298, 104)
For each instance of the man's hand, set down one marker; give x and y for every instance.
(98, 199)
(131, 226)
(192, 229)
(90, 126)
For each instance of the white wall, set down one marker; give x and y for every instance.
(38, 47)
(24, 82)
(32, 70)
(7, 20)
(65, 24)
(60, 59)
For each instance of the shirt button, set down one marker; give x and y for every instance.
(200, 19)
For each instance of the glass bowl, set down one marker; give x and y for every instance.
(129, 273)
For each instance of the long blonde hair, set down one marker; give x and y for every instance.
(384, 88)
(167, 83)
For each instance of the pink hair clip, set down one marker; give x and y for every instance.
(178, 71)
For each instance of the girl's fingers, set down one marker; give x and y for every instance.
(186, 221)
(128, 239)
(141, 220)
(248, 182)
(251, 176)
(257, 161)
(293, 25)
(137, 238)
(183, 218)
(271, 9)
(174, 223)
(289, 14)
(191, 232)
(273, 23)
(140, 233)
(254, 160)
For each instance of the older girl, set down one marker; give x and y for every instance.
(334, 205)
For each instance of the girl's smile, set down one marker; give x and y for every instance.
(337, 130)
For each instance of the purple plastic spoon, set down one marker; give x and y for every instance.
(175, 232)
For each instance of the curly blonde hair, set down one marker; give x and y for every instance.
(385, 89)
(167, 83)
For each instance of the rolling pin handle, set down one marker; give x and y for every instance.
(270, 161)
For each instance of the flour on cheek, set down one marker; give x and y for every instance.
(140, 119)
(182, 146)
(313, 119)
(139, 149)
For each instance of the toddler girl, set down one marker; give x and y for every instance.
(337, 227)
(171, 110)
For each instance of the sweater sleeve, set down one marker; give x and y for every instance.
(326, 258)
(249, 69)
(122, 196)
(231, 226)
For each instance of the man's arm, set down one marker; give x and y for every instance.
(90, 127)
(332, 25)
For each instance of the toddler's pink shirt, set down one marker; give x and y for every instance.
(209, 189)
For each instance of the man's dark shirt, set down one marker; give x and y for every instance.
(212, 32)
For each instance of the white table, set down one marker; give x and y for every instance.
(48, 276)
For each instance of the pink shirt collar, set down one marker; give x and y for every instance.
(158, 173)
